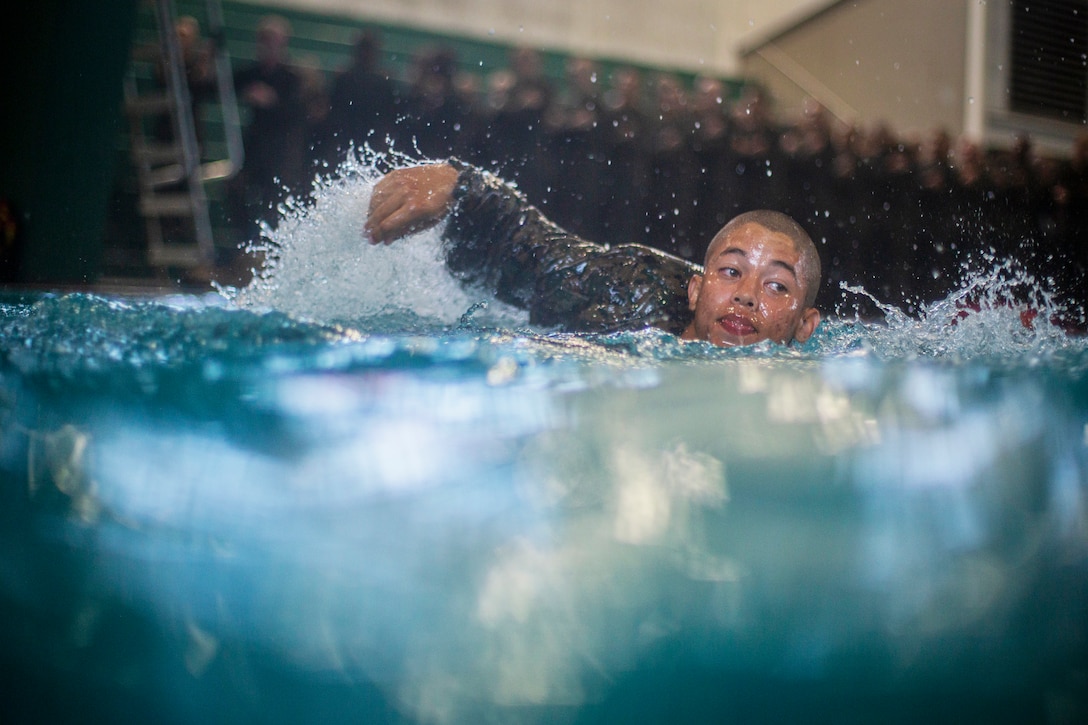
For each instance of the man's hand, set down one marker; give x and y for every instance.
(260, 95)
(409, 200)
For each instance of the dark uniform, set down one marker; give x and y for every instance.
(496, 240)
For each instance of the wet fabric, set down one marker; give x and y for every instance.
(497, 240)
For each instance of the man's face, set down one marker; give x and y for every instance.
(187, 34)
(271, 45)
(751, 290)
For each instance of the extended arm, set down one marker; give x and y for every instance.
(497, 240)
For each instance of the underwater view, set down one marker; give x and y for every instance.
(355, 491)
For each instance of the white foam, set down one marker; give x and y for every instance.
(999, 311)
(318, 265)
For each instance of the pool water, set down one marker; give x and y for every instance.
(358, 492)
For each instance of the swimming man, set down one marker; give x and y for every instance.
(758, 281)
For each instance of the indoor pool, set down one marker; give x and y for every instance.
(356, 492)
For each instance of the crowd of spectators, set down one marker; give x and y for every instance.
(630, 156)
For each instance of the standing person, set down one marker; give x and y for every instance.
(575, 127)
(710, 142)
(894, 191)
(200, 83)
(436, 118)
(935, 236)
(626, 182)
(751, 143)
(517, 125)
(1012, 171)
(805, 156)
(363, 103)
(196, 55)
(673, 171)
(275, 138)
(971, 189)
(1072, 193)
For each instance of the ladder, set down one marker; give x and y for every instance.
(170, 173)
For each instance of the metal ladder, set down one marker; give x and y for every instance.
(170, 174)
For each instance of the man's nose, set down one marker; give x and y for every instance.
(744, 294)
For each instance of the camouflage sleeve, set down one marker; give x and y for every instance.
(497, 240)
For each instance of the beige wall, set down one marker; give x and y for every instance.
(869, 60)
(691, 35)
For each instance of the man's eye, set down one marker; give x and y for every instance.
(729, 272)
(778, 287)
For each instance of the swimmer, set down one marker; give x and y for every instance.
(758, 282)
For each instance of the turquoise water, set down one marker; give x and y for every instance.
(357, 492)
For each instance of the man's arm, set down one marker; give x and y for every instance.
(497, 240)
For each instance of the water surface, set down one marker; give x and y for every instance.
(358, 492)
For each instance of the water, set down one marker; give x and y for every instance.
(357, 492)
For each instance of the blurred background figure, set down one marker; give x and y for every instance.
(517, 132)
(626, 182)
(674, 171)
(363, 103)
(1072, 194)
(276, 137)
(751, 144)
(314, 97)
(935, 235)
(436, 120)
(710, 144)
(576, 132)
(197, 55)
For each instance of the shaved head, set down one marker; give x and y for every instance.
(809, 270)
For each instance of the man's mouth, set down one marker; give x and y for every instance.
(737, 325)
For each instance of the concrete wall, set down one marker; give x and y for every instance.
(869, 60)
(691, 35)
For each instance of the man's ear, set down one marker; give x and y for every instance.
(810, 318)
(695, 286)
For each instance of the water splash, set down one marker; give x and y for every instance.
(999, 313)
(317, 264)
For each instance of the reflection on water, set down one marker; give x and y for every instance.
(215, 511)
